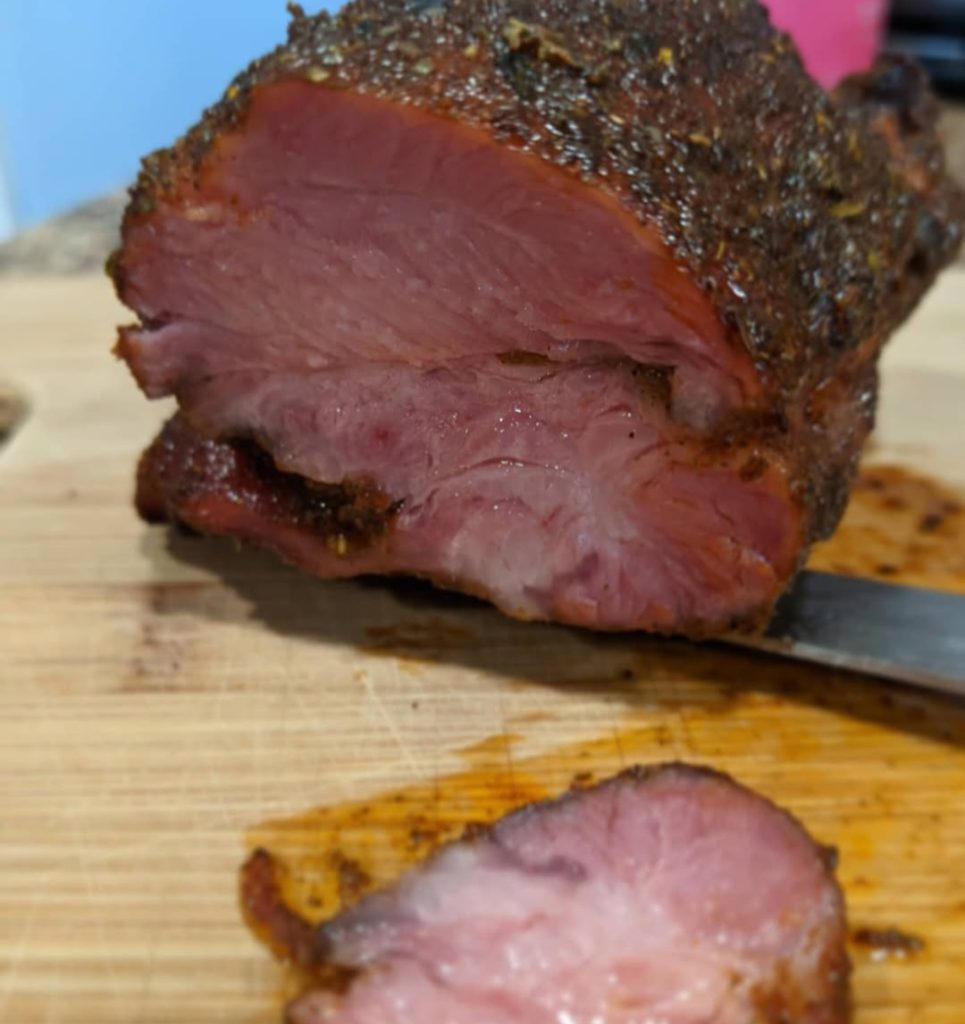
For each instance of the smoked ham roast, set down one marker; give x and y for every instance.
(668, 895)
(574, 305)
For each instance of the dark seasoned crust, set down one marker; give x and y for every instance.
(785, 204)
(179, 471)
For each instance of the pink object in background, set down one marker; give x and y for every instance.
(835, 37)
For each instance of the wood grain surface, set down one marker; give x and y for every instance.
(161, 696)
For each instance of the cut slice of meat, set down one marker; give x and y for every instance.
(670, 894)
(590, 294)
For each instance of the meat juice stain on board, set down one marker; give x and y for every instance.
(900, 527)
(331, 856)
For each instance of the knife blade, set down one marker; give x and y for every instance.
(907, 634)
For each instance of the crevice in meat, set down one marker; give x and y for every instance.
(618, 268)
(669, 894)
(448, 490)
(195, 481)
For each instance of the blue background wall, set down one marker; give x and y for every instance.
(88, 86)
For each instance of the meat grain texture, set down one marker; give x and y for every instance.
(668, 895)
(574, 305)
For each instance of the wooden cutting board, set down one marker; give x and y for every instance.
(161, 695)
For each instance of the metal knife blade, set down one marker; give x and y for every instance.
(906, 634)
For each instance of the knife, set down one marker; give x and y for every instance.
(906, 634)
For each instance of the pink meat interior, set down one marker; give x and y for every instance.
(683, 900)
(375, 293)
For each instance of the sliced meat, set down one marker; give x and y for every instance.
(589, 293)
(670, 894)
